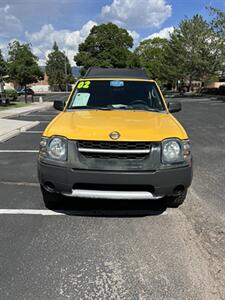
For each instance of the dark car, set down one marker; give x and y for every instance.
(28, 91)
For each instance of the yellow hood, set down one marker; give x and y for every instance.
(132, 125)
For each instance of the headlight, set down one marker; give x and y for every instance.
(175, 151)
(57, 148)
(186, 150)
(43, 147)
(54, 148)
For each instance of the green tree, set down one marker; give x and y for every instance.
(3, 65)
(152, 57)
(218, 22)
(58, 69)
(22, 65)
(133, 60)
(218, 25)
(55, 47)
(193, 51)
(107, 46)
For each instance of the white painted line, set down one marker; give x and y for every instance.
(29, 126)
(33, 131)
(19, 151)
(215, 103)
(25, 114)
(46, 212)
(42, 212)
(20, 183)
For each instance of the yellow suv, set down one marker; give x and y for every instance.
(115, 139)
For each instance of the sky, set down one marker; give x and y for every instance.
(68, 22)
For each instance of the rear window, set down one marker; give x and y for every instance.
(116, 94)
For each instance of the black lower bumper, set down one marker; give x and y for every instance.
(162, 182)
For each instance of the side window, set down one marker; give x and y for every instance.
(155, 97)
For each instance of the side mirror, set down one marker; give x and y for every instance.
(59, 105)
(174, 106)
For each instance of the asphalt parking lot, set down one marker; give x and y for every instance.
(115, 250)
(45, 96)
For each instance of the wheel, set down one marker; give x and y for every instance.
(175, 201)
(50, 199)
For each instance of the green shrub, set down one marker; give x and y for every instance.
(11, 94)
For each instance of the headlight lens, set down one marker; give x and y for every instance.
(57, 148)
(54, 148)
(175, 151)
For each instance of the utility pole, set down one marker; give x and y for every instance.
(66, 70)
(1, 89)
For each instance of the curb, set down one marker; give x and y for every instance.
(14, 114)
(5, 137)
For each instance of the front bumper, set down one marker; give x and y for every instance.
(160, 183)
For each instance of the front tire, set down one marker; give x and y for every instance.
(176, 201)
(51, 199)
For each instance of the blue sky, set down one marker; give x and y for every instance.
(40, 22)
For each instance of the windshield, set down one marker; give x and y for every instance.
(116, 94)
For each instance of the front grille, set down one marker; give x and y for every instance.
(114, 150)
(114, 145)
(114, 156)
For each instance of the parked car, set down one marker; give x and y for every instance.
(28, 91)
(115, 139)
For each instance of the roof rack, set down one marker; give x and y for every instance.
(115, 73)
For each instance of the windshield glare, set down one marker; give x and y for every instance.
(117, 94)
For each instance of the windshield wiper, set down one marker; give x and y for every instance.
(110, 107)
(90, 108)
(80, 107)
(130, 107)
(153, 109)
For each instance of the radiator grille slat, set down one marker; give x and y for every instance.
(114, 150)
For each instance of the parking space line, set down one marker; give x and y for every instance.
(42, 212)
(19, 151)
(46, 212)
(33, 184)
(25, 114)
(32, 131)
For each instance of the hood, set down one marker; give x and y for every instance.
(132, 125)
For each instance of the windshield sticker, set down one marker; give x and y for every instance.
(117, 83)
(84, 85)
(81, 99)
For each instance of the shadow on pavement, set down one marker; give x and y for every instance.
(221, 99)
(109, 208)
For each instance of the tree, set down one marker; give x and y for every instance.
(58, 69)
(218, 22)
(218, 25)
(3, 65)
(152, 57)
(133, 61)
(107, 46)
(193, 50)
(22, 65)
(55, 47)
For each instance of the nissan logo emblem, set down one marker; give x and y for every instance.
(115, 135)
